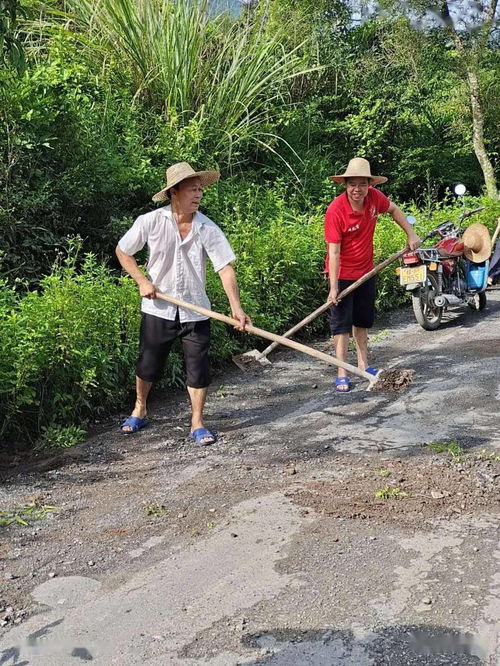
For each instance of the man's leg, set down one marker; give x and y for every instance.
(361, 338)
(340, 327)
(197, 397)
(156, 338)
(341, 349)
(142, 390)
(195, 344)
(363, 318)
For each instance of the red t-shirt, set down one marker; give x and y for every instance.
(354, 230)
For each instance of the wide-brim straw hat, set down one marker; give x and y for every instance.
(179, 172)
(358, 167)
(477, 243)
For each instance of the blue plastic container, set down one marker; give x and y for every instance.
(477, 275)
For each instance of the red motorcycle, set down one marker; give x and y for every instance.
(440, 277)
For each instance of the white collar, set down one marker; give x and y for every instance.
(198, 218)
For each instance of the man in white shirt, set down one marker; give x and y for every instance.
(179, 238)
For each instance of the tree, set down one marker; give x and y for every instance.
(471, 49)
(470, 26)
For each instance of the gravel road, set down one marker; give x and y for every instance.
(321, 529)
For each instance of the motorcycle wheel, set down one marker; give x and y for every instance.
(480, 303)
(429, 317)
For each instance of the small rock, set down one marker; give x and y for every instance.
(52, 574)
(212, 510)
(234, 535)
(91, 563)
(181, 515)
(476, 549)
(426, 601)
(437, 495)
(291, 471)
(314, 386)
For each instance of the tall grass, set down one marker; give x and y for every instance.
(226, 74)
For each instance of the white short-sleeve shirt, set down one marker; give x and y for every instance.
(175, 266)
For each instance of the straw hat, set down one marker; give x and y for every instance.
(477, 243)
(182, 170)
(359, 167)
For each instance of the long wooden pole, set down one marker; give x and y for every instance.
(497, 231)
(328, 304)
(270, 336)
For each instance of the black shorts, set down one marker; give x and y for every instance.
(156, 339)
(356, 309)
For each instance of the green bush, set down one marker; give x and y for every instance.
(67, 350)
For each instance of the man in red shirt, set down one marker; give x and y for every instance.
(349, 227)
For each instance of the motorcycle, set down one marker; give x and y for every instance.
(440, 277)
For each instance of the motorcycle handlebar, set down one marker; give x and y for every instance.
(463, 216)
(468, 213)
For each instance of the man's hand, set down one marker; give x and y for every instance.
(332, 296)
(414, 241)
(147, 289)
(243, 319)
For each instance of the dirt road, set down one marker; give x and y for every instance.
(320, 530)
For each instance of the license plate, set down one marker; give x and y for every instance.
(413, 275)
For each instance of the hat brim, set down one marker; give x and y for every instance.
(477, 257)
(374, 180)
(485, 252)
(207, 178)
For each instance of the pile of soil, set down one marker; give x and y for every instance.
(394, 381)
(414, 491)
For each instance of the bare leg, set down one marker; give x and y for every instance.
(142, 389)
(197, 397)
(361, 338)
(341, 348)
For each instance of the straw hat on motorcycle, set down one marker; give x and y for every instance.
(477, 243)
(358, 167)
(180, 171)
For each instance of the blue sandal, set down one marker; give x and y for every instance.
(202, 433)
(342, 382)
(134, 423)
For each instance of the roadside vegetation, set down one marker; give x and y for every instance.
(97, 98)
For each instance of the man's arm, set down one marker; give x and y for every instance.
(398, 216)
(228, 279)
(333, 270)
(129, 264)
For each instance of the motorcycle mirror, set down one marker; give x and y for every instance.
(411, 219)
(460, 189)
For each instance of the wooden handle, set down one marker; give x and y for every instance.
(328, 304)
(370, 274)
(297, 327)
(497, 230)
(280, 339)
